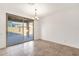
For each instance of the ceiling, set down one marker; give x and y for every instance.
(43, 9)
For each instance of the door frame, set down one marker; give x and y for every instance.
(7, 15)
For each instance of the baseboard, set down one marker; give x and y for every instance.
(60, 43)
(3, 48)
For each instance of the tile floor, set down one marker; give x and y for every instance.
(39, 48)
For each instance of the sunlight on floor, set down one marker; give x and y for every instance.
(29, 48)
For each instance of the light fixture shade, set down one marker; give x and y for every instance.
(35, 18)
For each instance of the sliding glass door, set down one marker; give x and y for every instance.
(19, 32)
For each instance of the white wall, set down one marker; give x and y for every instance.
(37, 30)
(62, 27)
(3, 25)
(2, 29)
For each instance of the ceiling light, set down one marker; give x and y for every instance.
(35, 11)
(35, 16)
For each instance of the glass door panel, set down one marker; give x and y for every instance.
(28, 31)
(15, 33)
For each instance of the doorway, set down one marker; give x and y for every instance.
(19, 30)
